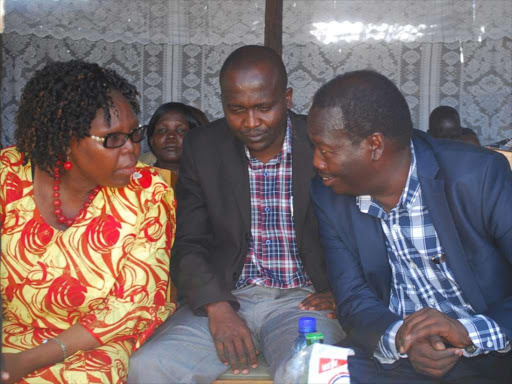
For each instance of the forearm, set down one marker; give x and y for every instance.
(76, 338)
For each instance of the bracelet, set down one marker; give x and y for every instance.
(61, 344)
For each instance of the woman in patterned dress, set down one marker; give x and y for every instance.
(86, 231)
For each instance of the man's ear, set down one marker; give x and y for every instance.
(376, 145)
(288, 96)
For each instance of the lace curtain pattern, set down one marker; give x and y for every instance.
(173, 50)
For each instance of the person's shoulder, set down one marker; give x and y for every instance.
(11, 160)
(215, 130)
(147, 187)
(10, 156)
(455, 159)
(298, 119)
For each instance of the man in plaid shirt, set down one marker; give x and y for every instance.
(247, 256)
(418, 239)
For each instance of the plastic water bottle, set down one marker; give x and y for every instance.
(306, 325)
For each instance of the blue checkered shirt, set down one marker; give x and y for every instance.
(272, 259)
(420, 276)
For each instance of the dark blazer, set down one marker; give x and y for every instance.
(214, 214)
(468, 191)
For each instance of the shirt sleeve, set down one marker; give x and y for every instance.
(485, 334)
(386, 351)
(139, 299)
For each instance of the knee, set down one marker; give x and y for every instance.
(142, 362)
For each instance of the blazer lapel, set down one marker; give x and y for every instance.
(433, 191)
(302, 173)
(371, 241)
(234, 164)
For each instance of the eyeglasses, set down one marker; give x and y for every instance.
(118, 139)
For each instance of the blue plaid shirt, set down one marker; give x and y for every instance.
(420, 275)
(272, 259)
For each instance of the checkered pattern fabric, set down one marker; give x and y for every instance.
(272, 259)
(420, 275)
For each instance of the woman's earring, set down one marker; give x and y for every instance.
(67, 164)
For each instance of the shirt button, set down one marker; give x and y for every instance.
(431, 301)
(489, 344)
(268, 242)
(267, 209)
(265, 173)
(396, 227)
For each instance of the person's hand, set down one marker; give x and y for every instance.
(15, 367)
(232, 338)
(430, 322)
(323, 301)
(430, 357)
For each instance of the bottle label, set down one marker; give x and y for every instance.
(329, 364)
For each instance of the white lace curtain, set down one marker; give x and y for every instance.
(451, 52)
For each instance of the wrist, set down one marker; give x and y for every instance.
(219, 306)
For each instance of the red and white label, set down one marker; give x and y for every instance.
(326, 364)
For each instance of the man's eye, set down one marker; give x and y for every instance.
(264, 108)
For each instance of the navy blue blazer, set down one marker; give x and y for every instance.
(468, 191)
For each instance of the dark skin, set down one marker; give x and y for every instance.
(435, 329)
(255, 105)
(371, 166)
(167, 140)
(117, 167)
(376, 166)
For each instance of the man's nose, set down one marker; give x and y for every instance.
(318, 161)
(252, 120)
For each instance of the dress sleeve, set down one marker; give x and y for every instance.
(139, 300)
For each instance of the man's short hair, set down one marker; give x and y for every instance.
(249, 55)
(364, 102)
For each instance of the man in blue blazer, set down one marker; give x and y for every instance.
(418, 239)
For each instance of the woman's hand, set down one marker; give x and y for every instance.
(15, 367)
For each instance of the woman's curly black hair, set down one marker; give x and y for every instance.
(59, 102)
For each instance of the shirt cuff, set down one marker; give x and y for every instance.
(386, 351)
(485, 334)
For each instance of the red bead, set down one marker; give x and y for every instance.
(56, 170)
(68, 165)
(57, 203)
(59, 162)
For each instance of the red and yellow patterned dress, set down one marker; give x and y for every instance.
(109, 272)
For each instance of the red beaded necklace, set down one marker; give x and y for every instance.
(57, 203)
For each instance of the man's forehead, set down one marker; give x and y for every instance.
(251, 74)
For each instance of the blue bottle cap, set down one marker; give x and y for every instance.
(307, 324)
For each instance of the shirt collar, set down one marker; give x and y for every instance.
(369, 205)
(285, 150)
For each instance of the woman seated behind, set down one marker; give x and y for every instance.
(86, 232)
(166, 130)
